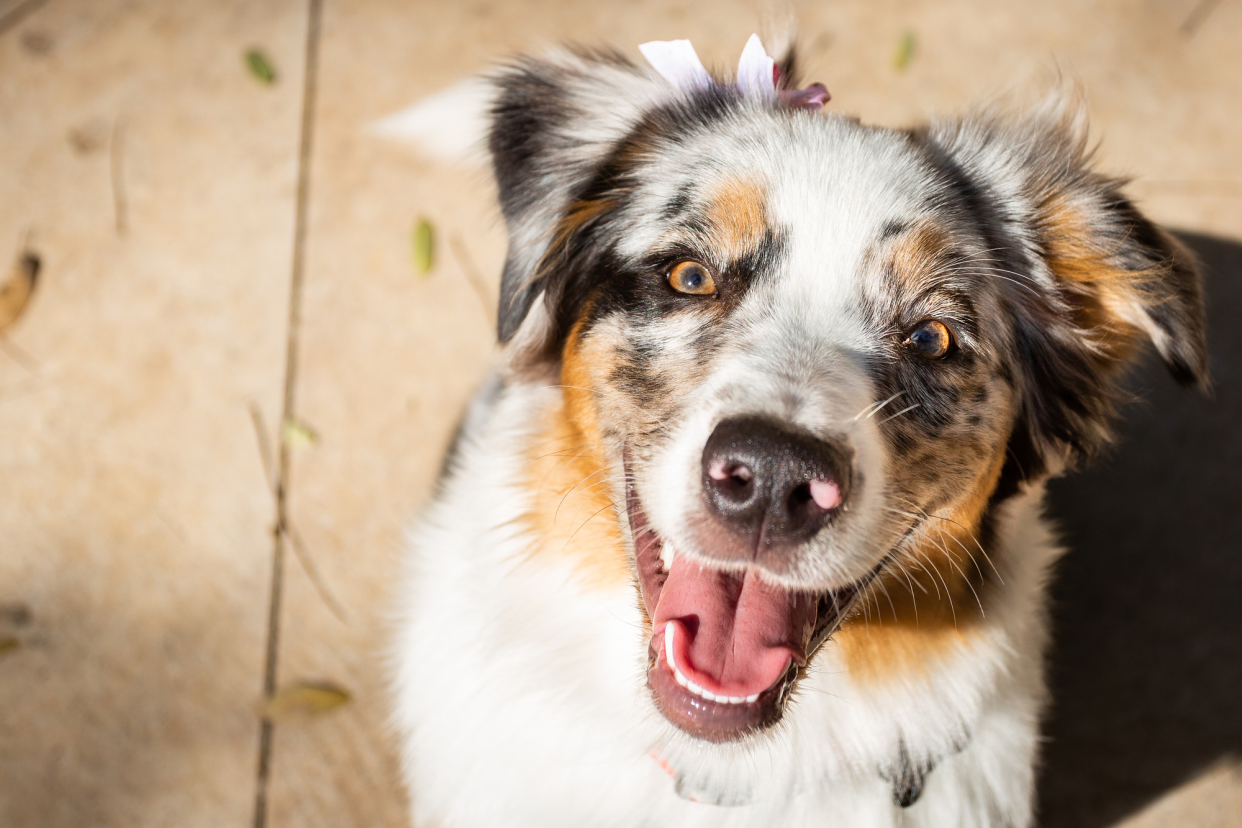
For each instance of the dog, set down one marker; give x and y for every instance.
(746, 528)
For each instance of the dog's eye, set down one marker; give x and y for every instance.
(692, 278)
(930, 339)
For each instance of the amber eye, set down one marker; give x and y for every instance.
(691, 277)
(930, 339)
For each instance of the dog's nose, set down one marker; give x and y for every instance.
(773, 484)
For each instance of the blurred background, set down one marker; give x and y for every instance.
(255, 321)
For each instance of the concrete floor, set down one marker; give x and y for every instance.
(159, 182)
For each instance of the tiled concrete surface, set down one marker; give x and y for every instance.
(135, 521)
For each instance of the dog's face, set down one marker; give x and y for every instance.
(806, 355)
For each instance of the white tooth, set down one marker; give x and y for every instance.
(666, 557)
(668, 646)
(694, 688)
(710, 696)
(680, 679)
(736, 699)
(750, 699)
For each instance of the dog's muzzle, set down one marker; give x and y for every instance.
(727, 643)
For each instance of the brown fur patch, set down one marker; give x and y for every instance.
(578, 216)
(908, 625)
(572, 512)
(916, 253)
(1103, 296)
(736, 215)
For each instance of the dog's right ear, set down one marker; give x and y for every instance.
(554, 122)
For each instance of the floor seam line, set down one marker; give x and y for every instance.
(301, 207)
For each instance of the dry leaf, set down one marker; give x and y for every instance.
(308, 698)
(16, 290)
(260, 67)
(7, 645)
(905, 51)
(298, 434)
(424, 247)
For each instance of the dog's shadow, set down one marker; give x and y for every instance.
(1146, 657)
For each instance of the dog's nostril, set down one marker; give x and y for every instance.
(724, 470)
(732, 480)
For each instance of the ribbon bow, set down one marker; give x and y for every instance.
(757, 73)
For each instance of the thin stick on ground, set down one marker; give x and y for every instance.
(1197, 16)
(284, 527)
(472, 275)
(17, 354)
(18, 14)
(120, 203)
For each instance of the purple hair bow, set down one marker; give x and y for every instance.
(757, 73)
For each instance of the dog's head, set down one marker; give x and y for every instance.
(797, 347)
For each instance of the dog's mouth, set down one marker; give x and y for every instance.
(726, 647)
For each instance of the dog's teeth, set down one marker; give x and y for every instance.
(666, 557)
(669, 635)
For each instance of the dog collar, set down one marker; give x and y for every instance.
(758, 76)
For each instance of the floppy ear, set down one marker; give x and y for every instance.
(554, 123)
(1092, 279)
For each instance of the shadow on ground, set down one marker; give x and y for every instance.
(1146, 661)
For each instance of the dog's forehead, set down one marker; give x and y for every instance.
(827, 188)
(822, 176)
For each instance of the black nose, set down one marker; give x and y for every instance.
(770, 484)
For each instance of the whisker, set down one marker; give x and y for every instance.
(875, 407)
(899, 413)
(557, 513)
(964, 578)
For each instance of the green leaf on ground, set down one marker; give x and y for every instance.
(297, 434)
(424, 247)
(260, 67)
(905, 51)
(306, 698)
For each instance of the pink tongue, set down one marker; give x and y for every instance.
(740, 632)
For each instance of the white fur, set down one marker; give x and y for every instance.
(521, 696)
(448, 126)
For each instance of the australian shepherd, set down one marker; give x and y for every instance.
(747, 527)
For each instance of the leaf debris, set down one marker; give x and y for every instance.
(16, 290)
(306, 698)
(9, 644)
(260, 67)
(905, 51)
(297, 434)
(424, 247)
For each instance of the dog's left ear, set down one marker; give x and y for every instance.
(1089, 276)
(554, 122)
